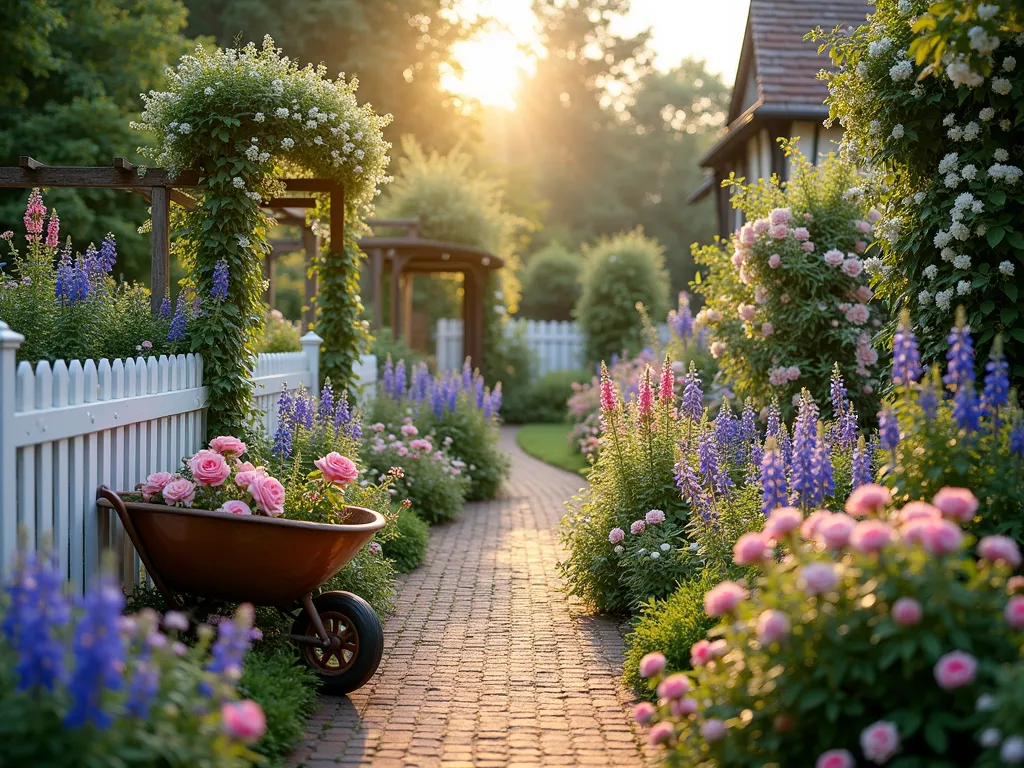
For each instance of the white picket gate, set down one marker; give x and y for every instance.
(66, 428)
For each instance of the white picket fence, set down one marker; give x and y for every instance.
(557, 345)
(66, 428)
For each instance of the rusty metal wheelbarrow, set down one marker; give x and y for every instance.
(192, 553)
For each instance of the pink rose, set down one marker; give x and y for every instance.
(864, 294)
(421, 445)
(746, 235)
(852, 267)
(802, 234)
(228, 446)
(906, 612)
(858, 314)
(834, 532)
(1000, 549)
(652, 664)
(700, 653)
(863, 227)
(723, 598)
(780, 216)
(378, 427)
(674, 686)
(409, 430)
(880, 741)
(874, 215)
(717, 349)
(957, 503)
(761, 226)
(808, 247)
(268, 493)
(833, 257)
(819, 578)
(919, 510)
(235, 507)
(767, 329)
(718, 648)
(779, 231)
(747, 312)
(938, 536)
(654, 517)
(835, 758)
(1015, 583)
(955, 670)
(179, 492)
(682, 707)
(1015, 612)
(774, 261)
(809, 527)
(209, 468)
(750, 548)
(870, 536)
(860, 246)
(793, 373)
(772, 626)
(244, 477)
(643, 712)
(868, 499)
(637, 527)
(337, 469)
(782, 521)
(615, 535)
(713, 729)
(155, 484)
(738, 258)
(243, 720)
(660, 733)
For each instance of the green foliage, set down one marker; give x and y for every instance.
(371, 576)
(475, 442)
(287, 693)
(780, 317)
(340, 312)
(385, 346)
(551, 284)
(670, 626)
(509, 360)
(217, 103)
(551, 443)
(278, 334)
(407, 550)
(544, 401)
(943, 162)
(620, 272)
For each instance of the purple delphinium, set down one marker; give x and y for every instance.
(692, 490)
(997, 383)
(399, 384)
(821, 471)
(713, 473)
(228, 652)
(906, 362)
(773, 478)
(496, 398)
(803, 467)
(325, 408)
(420, 389)
(436, 399)
(967, 408)
(219, 290)
(888, 429)
(165, 307)
(345, 420)
(35, 614)
(478, 389)
(774, 419)
(928, 400)
(73, 284)
(693, 397)
(487, 406)
(467, 375)
(145, 678)
(99, 656)
(108, 253)
(861, 468)
(176, 332)
(837, 390)
(284, 434)
(960, 357)
(388, 378)
(1017, 438)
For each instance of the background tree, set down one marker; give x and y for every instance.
(551, 284)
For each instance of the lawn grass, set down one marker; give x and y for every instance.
(550, 443)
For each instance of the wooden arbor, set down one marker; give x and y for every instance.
(161, 190)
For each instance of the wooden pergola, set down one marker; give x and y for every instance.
(405, 257)
(157, 186)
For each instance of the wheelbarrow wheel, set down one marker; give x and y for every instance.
(359, 645)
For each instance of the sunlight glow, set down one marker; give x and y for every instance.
(493, 65)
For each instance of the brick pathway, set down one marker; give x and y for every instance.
(486, 662)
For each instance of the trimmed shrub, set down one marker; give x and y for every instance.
(551, 284)
(286, 691)
(407, 550)
(620, 272)
(545, 401)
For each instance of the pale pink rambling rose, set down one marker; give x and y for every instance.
(772, 627)
(955, 670)
(227, 445)
(723, 598)
(747, 312)
(717, 349)
(421, 445)
(864, 294)
(863, 227)
(1015, 612)
(860, 246)
(637, 527)
(833, 257)
(801, 234)
(746, 235)
(777, 377)
(780, 216)
(834, 531)
(409, 430)
(713, 729)
(808, 247)
(868, 499)
(881, 740)
(209, 468)
(809, 527)
(940, 537)
(760, 294)
(784, 298)
(652, 664)
(835, 758)
(819, 578)
(155, 484)
(654, 517)
(337, 469)
(615, 535)
(779, 231)
(243, 720)
(738, 258)
(781, 521)
(750, 548)
(870, 536)
(700, 653)
(906, 612)
(403, 451)
(957, 503)
(179, 492)
(997, 549)
(660, 733)
(268, 493)
(674, 686)
(774, 261)
(714, 315)
(767, 329)
(852, 267)
(808, 217)
(761, 226)
(682, 707)
(919, 510)
(378, 427)
(718, 648)
(235, 507)
(643, 712)
(858, 314)
(793, 373)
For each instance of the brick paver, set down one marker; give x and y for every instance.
(487, 663)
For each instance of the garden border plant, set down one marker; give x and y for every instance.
(242, 118)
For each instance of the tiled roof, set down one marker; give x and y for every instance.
(786, 65)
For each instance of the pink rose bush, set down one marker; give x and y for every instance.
(839, 652)
(802, 278)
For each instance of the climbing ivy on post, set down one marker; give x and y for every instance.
(242, 119)
(340, 313)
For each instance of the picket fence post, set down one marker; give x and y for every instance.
(311, 346)
(10, 341)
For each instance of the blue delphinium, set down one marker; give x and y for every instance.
(325, 408)
(176, 332)
(967, 408)
(960, 356)
(108, 253)
(906, 361)
(1017, 438)
(400, 380)
(711, 469)
(388, 378)
(837, 391)
(35, 615)
(73, 286)
(478, 389)
(821, 471)
(803, 462)
(283, 436)
(496, 398)
(997, 383)
(219, 290)
(693, 397)
(725, 430)
(774, 419)
(928, 400)
(693, 490)
(99, 652)
(888, 429)
(345, 420)
(165, 307)
(773, 477)
(467, 375)
(145, 677)
(861, 468)
(436, 399)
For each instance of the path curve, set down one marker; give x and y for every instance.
(486, 662)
